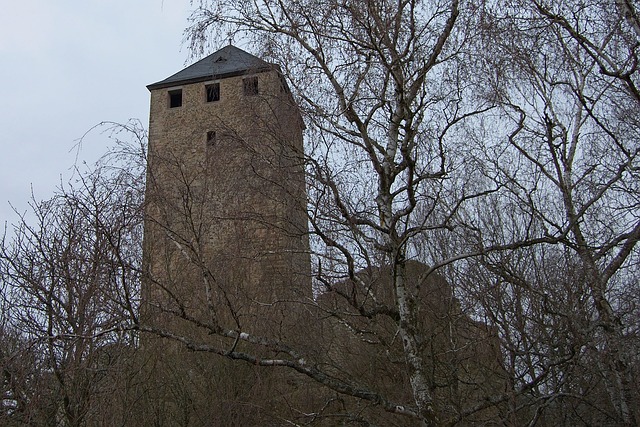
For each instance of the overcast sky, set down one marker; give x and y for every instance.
(66, 65)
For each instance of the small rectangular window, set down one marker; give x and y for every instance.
(250, 86)
(175, 98)
(213, 92)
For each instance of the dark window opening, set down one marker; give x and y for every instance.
(211, 138)
(250, 86)
(175, 98)
(213, 92)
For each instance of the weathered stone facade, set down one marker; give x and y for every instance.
(226, 244)
(226, 188)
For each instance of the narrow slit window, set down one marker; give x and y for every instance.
(213, 92)
(250, 86)
(211, 138)
(175, 98)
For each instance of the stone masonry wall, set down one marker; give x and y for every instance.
(226, 229)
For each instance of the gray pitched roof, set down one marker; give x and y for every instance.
(226, 62)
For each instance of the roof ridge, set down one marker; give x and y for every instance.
(226, 62)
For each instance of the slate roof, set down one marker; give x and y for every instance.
(226, 62)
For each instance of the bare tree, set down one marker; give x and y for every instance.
(70, 281)
(382, 88)
(500, 132)
(566, 151)
(472, 184)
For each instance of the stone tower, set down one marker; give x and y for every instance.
(225, 193)
(225, 245)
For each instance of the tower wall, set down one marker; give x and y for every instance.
(226, 231)
(226, 245)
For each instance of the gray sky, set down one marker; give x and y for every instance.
(66, 65)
